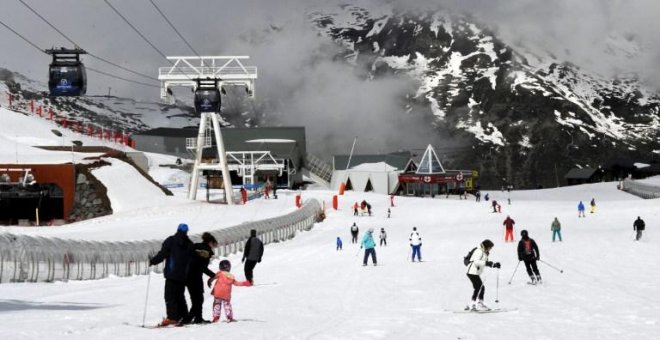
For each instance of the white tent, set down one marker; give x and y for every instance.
(376, 177)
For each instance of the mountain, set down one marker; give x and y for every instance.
(525, 117)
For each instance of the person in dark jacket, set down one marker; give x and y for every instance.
(639, 226)
(252, 253)
(528, 251)
(354, 233)
(201, 256)
(175, 251)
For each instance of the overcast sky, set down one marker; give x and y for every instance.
(296, 68)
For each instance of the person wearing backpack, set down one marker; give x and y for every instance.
(478, 260)
(556, 229)
(354, 232)
(416, 244)
(528, 251)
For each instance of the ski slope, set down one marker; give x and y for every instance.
(311, 291)
(308, 290)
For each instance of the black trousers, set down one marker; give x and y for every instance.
(196, 290)
(249, 268)
(372, 252)
(383, 241)
(354, 239)
(479, 289)
(531, 267)
(175, 299)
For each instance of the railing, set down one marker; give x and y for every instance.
(318, 167)
(41, 259)
(642, 190)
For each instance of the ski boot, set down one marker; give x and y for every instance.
(538, 279)
(533, 282)
(167, 322)
(481, 306)
(471, 307)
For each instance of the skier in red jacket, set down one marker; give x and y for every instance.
(508, 224)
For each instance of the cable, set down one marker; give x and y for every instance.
(75, 44)
(135, 29)
(89, 68)
(121, 78)
(22, 37)
(174, 28)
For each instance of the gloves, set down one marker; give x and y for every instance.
(538, 258)
(489, 263)
(420, 244)
(209, 282)
(519, 258)
(496, 265)
(360, 247)
(259, 261)
(242, 260)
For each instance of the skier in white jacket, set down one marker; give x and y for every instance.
(416, 245)
(479, 261)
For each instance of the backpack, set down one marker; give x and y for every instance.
(466, 259)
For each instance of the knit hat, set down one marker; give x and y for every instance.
(182, 227)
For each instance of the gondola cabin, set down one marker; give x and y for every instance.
(207, 96)
(66, 74)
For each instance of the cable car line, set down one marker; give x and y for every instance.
(75, 44)
(91, 69)
(174, 28)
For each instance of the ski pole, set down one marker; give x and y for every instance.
(146, 299)
(497, 287)
(409, 253)
(358, 252)
(553, 267)
(514, 272)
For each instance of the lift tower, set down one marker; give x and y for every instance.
(205, 73)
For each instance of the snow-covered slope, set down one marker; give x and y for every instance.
(311, 290)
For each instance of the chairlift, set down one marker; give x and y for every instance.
(66, 73)
(207, 96)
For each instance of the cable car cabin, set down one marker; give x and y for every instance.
(207, 96)
(67, 75)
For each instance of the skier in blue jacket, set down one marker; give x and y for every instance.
(581, 209)
(369, 247)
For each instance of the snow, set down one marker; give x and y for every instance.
(309, 290)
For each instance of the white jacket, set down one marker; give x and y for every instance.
(383, 235)
(477, 261)
(415, 239)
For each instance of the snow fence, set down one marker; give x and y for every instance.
(642, 190)
(40, 259)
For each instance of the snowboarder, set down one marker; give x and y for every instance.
(369, 247)
(416, 244)
(639, 226)
(508, 223)
(383, 237)
(199, 263)
(581, 209)
(556, 229)
(355, 209)
(528, 251)
(593, 205)
(222, 291)
(175, 251)
(354, 232)
(339, 243)
(479, 261)
(253, 251)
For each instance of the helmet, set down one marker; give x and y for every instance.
(182, 227)
(225, 265)
(524, 234)
(488, 244)
(371, 230)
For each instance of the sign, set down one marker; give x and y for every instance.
(459, 177)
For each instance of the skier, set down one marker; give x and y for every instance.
(593, 205)
(479, 261)
(222, 291)
(416, 244)
(175, 251)
(369, 209)
(528, 251)
(383, 237)
(354, 232)
(477, 195)
(244, 196)
(508, 223)
(355, 209)
(556, 229)
(388, 212)
(486, 197)
(392, 200)
(581, 209)
(369, 247)
(252, 254)
(639, 226)
(201, 256)
(339, 243)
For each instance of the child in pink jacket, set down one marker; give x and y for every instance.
(222, 290)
